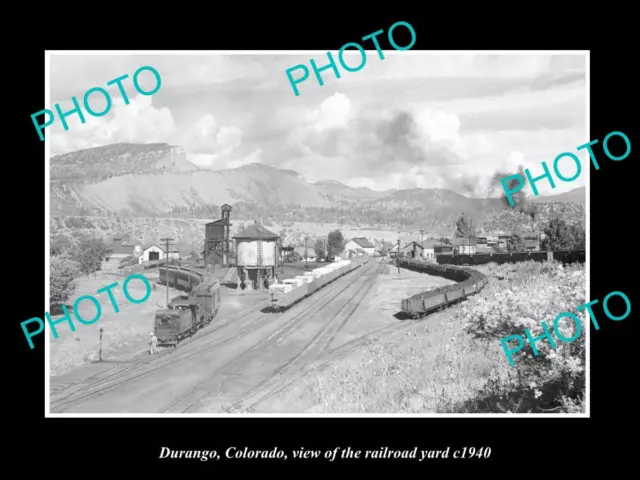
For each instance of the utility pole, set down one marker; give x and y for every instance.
(306, 239)
(421, 241)
(100, 352)
(166, 263)
(398, 254)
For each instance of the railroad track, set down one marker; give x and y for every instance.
(140, 368)
(191, 400)
(323, 339)
(278, 385)
(145, 359)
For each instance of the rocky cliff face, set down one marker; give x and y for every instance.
(157, 180)
(93, 165)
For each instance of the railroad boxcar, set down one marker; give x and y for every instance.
(208, 298)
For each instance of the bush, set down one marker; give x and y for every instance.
(64, 271)
(520, 298)
(128, 262)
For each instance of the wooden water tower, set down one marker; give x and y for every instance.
(256, 257)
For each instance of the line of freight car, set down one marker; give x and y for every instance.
(283, 300)
(180, 278)
(447, 271)
(423, 303)
(431, 301)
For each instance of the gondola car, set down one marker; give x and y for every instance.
(469, 283)
(284, 300)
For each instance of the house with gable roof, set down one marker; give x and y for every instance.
(360, 243)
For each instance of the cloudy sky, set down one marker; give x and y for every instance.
(411, 120)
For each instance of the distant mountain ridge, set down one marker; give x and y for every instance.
(577, 195)
(156, 180)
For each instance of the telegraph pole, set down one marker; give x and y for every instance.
(100, 352)
(306, 239)
(398, 254)
(166, 263)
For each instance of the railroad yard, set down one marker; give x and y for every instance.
(247, 354)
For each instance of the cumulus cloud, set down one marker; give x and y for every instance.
(334, 112)
(207, 144)
(391, 148)
(412, 120)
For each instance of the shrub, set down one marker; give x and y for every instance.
(128, 262)
(520, 298)
(64, 271)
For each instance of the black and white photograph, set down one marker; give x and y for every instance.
(229, 239)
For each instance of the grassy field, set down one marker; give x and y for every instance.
(444, 366)
(124, 332)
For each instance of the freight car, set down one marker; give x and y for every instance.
(180, 278)
(469, 283)
(306, 285)
(186, 314)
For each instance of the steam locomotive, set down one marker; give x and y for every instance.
(186, 314)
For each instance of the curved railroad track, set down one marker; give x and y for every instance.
(321, 340)
(149, 365)
(189, 402)
(278, 385)
(142, 368)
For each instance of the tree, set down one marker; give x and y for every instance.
(579, 237)
(335, 243)
(293, 257)
(92, 251)
(515, 244)
(560, 236)
(64, 271)
(60, 244)
(319, 249)
(465, 227)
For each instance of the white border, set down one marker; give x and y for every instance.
(47, 60)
